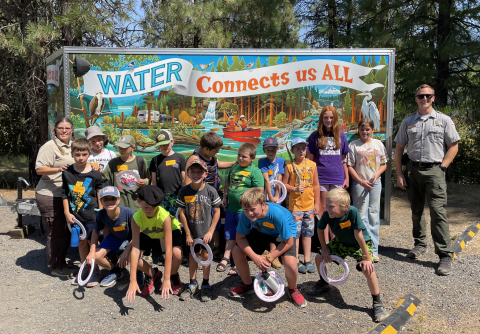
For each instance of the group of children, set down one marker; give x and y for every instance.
(255, 224)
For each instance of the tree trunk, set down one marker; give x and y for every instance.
(258, 111)
(270, 121)
(444, 32)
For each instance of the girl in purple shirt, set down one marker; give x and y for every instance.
(328, 148)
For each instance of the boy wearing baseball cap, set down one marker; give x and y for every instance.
(151, 223)
(127, 161)
(99, 156)
(272, 169)
(117, 219)
(168, 171)
(199, 206)
(301, 180)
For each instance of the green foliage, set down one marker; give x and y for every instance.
(78, 121)
(220, 24)
(280, 119)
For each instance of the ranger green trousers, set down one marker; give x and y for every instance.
(430, 184)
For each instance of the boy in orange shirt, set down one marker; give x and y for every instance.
(304, 200)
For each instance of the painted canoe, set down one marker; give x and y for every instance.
(252, 133)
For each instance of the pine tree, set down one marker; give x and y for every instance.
(236, 66)
(285, 59)
(258, 63)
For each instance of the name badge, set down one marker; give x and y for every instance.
(190, 199)
(345, 224)
(121, 167)
(269, 225)
(412, 126)
(78, 189)
(437, 122)
(170, 162)
(94, 163)
(245, 173)
(270, 172)
(119, 228)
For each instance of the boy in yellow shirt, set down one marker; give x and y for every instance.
(304, 200)
(152, 223)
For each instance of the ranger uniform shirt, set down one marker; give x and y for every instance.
(426, 140)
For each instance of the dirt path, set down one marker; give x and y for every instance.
(32, 301)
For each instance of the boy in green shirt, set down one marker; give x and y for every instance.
(127, 161)
(243, 175)
(351, 239)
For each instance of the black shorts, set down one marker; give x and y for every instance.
(260, 242)
(147, 243)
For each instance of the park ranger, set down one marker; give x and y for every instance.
(431, 141)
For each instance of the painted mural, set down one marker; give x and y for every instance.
(242, 98)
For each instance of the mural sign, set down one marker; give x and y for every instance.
(243, 95)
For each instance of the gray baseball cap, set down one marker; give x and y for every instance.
(109, 191)
(95, 131)
(125, 141)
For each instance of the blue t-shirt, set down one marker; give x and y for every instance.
(277, 222)
(272, 168)
(119, 227)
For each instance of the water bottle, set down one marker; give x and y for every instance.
(270, 282)
(75, 236)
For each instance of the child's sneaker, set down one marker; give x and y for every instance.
(111, 279)
(276, 263)
(320, 287)
(177, 288)
(84, 277)
(206, 293)
(150, 282)
(297, 298)
(310, 267)
(241, 290)
(189, 292)
(301, 268)
(379, 312)
(93, 281)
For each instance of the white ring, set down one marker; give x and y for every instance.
(79, 278)
(130, 185)
(84, 232)
(207, 247)
(283, 190)
(260, 288)
(341, 262)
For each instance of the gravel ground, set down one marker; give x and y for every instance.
(32, 301)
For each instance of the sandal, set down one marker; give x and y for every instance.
(235, 271)
(221, 267)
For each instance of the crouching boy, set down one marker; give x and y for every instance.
(117, 220)
(260, 224)
(152, 223)
(351, 239)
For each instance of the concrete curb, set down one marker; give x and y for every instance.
(465, 238)
(399, 317)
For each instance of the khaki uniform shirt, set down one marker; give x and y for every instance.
(50, 156)
(426, 140)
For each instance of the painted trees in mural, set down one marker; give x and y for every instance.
(149, 100)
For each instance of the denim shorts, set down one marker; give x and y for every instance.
(231, 222)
